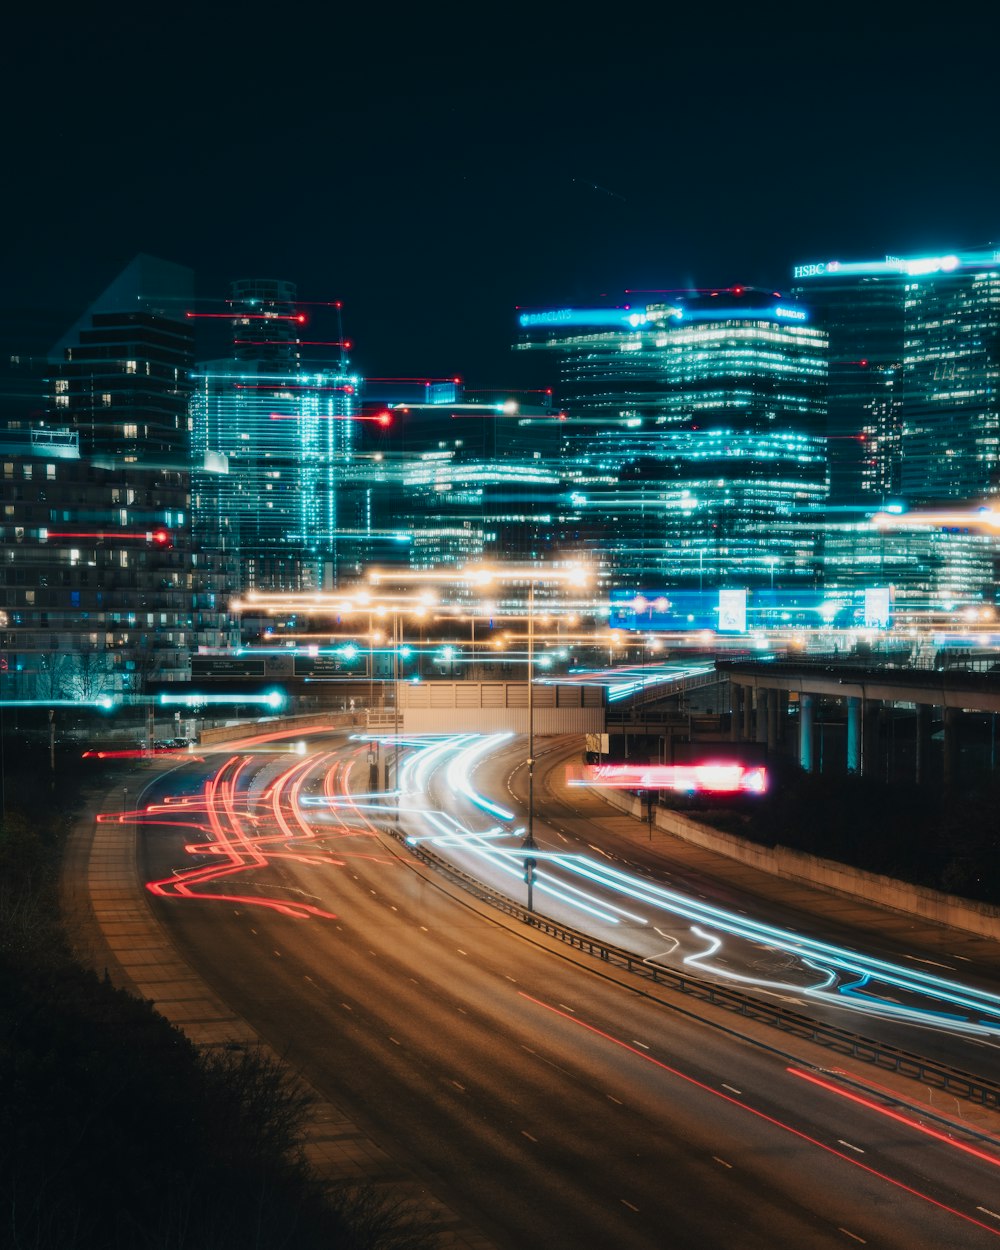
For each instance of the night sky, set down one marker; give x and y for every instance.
(435, 173)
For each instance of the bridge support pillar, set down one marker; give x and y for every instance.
(773, 706)
(806, 731)
(747, 713)
(855, 760)
(922, 742)
(950, 757)
(763, 705)
(736, 695)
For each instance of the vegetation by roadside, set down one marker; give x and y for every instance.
(115, 1130)
(914, 833)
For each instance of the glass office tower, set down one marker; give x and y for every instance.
(694, 449)
(273, 438)
(915, 367)
(98, 574)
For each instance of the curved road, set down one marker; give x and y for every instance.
(549, 1103)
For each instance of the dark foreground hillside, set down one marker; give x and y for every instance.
(115, 1132)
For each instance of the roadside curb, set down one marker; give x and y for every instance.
(112, 930)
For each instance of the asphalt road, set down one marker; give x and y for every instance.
(577, 820)
(552, 1106)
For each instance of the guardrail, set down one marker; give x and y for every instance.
(960, 1083)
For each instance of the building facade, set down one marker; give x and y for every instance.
(694, 446)
(273, 441)
(98, 569)
(915, 367)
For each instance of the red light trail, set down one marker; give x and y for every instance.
(244, 316)
(150, 536)
(298, 342)
(245, 842)
(895, 1115)
(761, 1115)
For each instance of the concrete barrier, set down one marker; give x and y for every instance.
(276, 724)
(826, 874)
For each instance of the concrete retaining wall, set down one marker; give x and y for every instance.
(252, 729)
(827, 874)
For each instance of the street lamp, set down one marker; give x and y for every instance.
(483, 576)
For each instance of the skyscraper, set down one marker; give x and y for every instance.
(272, 438)
(915, 366)
(695, 446)
(97, 562)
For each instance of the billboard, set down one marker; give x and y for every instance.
(732, 611)
(711, 777)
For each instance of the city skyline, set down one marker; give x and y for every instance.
(434, 184)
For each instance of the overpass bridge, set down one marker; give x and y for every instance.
(762, 691)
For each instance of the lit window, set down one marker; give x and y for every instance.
(106, 398)
(131, 366)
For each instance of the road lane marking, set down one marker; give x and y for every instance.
(565, 1008)
(849, 1145)
(722, 1161)
(848, 1233)
(346, 1007)
(277, 954)
(616, 1100)
(394, 1042)
(414, 980)
(510, 978)
(254, 932)
(987, 1211)
(732, 1088)
(462, 952)
(424, 929)
(457, 1086)
(525, 1133)
(635, 1042)
(462, 1010)
(629, 1205)
(933, 962)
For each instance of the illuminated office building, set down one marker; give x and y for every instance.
(99, 580)
(694, 449)
(915, 374)
(931, 569)
(273, 437)
(448, 480)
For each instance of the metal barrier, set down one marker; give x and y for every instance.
(962, 1084)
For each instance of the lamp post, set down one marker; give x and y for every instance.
(396, 642)
(520, 573)
(529, 845)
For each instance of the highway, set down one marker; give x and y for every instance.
(550, 1104)
(902, 991)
